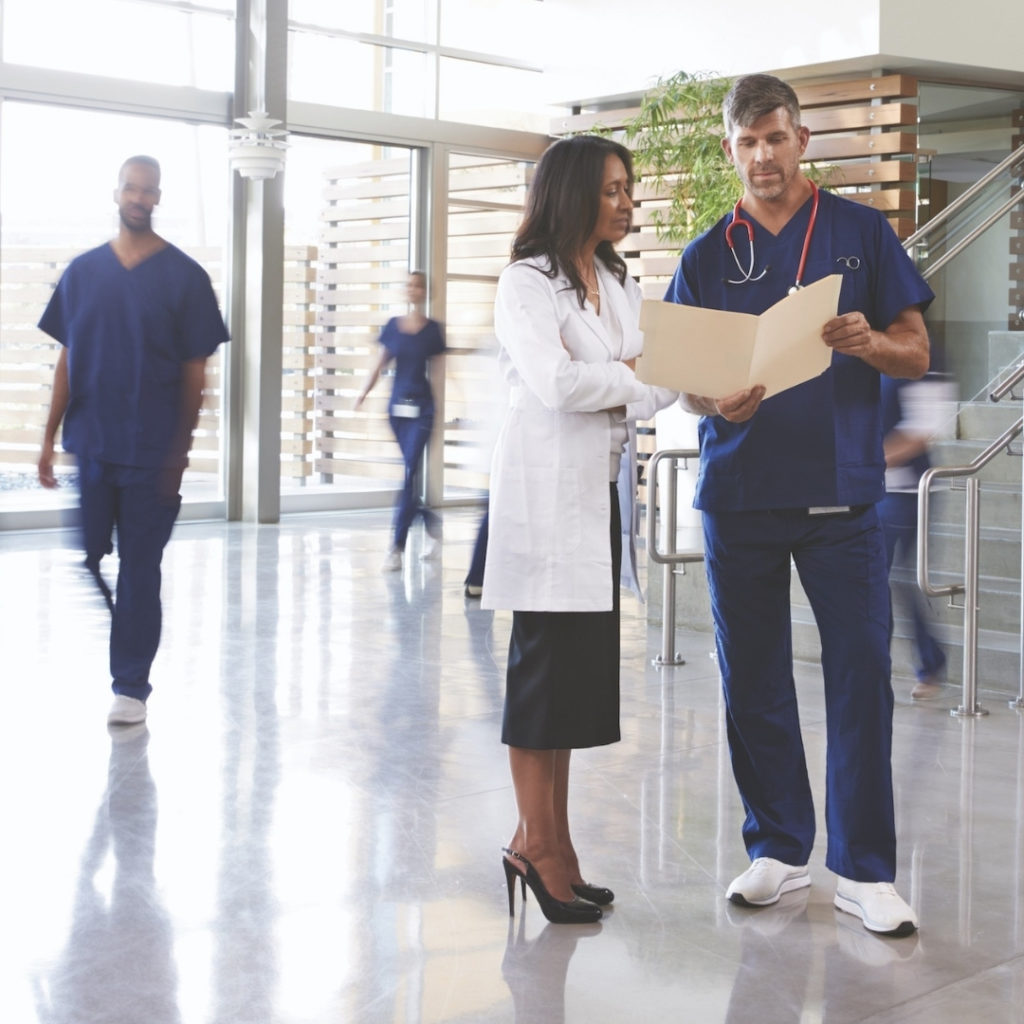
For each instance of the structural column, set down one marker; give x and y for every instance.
(253, 485)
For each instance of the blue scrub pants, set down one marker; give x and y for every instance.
(412, 435)
(842, 566)
(126, 499)
(898, 513)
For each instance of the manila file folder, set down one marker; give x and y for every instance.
(714, 353)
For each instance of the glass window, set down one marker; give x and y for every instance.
(485, 205)
(492, 95)
(57, 178)
(196, 47)
(471, 25)
(403, 19)
(343, 72)
(347, 215)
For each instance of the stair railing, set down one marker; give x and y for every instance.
(1006, 388)
(1014, 164)
(669, 556)
(969, 706)
(1015, 161)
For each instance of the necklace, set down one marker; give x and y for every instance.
(592, 288)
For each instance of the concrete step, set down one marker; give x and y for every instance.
(998, 551)
(998, 661)
(1003, 468)
(986, 420)
(998, 600)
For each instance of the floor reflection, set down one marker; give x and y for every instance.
(333, 796)
(245, 969)
(120, 932)
(535, 970)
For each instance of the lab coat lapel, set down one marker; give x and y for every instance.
(588, 315)
(615, 295)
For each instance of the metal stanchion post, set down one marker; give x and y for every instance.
(669, 655)
(970, 706)
(671, 555)
(1018, 704)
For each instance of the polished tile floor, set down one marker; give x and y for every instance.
(308, 830)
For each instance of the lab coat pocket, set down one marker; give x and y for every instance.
(565, 516)
(541, 512)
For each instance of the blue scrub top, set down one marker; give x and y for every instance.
(819, 443)
(411, 353)
(127, 333)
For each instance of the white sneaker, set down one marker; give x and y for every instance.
(765, 881)
(431, 548)
(126, 711)
(393, 563)
(878, 905)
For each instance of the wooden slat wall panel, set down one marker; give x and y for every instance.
(356, 280)
(864, 128)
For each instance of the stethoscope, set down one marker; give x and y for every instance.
(748, 274)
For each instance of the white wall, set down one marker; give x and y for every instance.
(599, 48)
(606, 47)
(982, 33)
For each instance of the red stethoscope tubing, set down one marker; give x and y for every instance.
(744, 223)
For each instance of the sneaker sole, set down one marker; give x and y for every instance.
(849, 906)
(799, 882)
(121, 720)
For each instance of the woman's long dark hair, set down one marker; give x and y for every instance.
(562, 207)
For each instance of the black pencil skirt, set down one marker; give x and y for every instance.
(562, 684)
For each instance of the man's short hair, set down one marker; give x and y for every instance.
(753, 96)
(146, 161)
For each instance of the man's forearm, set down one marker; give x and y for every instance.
(58, 399)
(192, 384)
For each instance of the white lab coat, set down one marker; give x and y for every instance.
(547, 548)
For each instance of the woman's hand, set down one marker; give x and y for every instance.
(736, 408)
(739, 407)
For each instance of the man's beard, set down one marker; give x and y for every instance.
(141, 227)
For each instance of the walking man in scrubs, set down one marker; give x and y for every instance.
(795, 478)
(137, 319)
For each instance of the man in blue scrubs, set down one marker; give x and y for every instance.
(137, 320)
(794, 479)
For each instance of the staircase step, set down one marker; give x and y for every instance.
(986, 420)
(1004, 468)
(999, 551)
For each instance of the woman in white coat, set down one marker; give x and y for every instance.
(562, 499)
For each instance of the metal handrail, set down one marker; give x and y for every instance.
(969, 588)
(934, 268)
(1017, 156)
(997, 394)
(1009, 384)
(670, 557)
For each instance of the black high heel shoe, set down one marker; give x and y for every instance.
(594, 894)
(575, 911)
